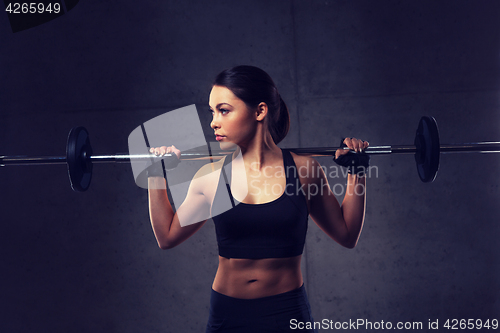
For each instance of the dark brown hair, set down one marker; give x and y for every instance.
(253, 86)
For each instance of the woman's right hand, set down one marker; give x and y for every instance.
(160, 151)
(156, 169)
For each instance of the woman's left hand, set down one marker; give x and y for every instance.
(354, 144)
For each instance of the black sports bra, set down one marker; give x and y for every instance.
(275, 229)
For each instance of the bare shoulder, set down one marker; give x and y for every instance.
(206, 178)
(303, 160)
(309, 169)
(209, 168)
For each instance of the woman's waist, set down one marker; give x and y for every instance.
(292, 304)
(248, 278)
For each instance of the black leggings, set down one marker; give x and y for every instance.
(277, 313)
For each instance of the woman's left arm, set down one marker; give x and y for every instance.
(342, 223)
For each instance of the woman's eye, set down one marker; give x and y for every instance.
(223, 111)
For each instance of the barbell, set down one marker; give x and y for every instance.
(79, 157)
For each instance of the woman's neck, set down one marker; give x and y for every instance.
(260, 152)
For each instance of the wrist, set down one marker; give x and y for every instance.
(157, 183)
(357, 177)
(357, 170)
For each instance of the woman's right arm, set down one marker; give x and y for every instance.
(167, 225)
(171, 228)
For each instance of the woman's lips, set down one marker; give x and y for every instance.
(219, 137)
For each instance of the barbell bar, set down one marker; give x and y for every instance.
(79, 157)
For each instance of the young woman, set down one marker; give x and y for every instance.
(258, 286)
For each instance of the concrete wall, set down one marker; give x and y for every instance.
(88, 262)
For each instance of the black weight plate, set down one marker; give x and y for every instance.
(78, 152)
(428, 150)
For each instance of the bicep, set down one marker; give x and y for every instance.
(188, 219)
(324, 208)
(191, 215)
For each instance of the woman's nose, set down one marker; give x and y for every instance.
(214, 123)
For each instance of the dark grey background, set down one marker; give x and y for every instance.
(88, 262)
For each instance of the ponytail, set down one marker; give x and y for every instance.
(280, 123)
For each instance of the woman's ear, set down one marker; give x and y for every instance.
(261, 111)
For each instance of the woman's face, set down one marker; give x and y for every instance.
(232, 121)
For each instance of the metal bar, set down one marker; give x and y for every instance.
(35, 160)
(483, 147)
(124, 158)
(330, 151)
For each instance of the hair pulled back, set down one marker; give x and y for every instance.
(253, 86)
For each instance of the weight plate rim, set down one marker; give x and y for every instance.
(78, 183)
